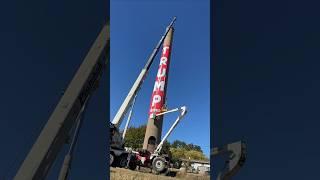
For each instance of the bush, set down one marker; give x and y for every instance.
(183, 153)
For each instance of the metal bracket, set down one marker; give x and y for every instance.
(237, 158)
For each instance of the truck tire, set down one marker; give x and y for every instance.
(123, 161)
(132, 166)
(177, 164)
(133, 162)
(111, 159)
(159, 165)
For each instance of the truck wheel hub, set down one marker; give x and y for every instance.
(159, 164)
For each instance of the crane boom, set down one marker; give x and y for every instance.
(137, 84)
(54, 134)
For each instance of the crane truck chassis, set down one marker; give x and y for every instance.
(157, 161)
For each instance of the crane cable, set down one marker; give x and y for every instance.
(65, 169)
(129, 117)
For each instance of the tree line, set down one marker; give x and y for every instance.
(177, 149)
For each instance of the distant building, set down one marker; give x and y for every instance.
(201, 167)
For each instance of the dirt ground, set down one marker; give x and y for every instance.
(126, 174)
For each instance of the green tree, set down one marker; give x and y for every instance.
(182, 153)
(178, 153)
(166, 147)
(189, 147)
(197, 148)
(135, 136)
(178, 144)
(195, 155)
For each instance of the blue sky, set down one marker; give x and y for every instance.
(136, 27)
